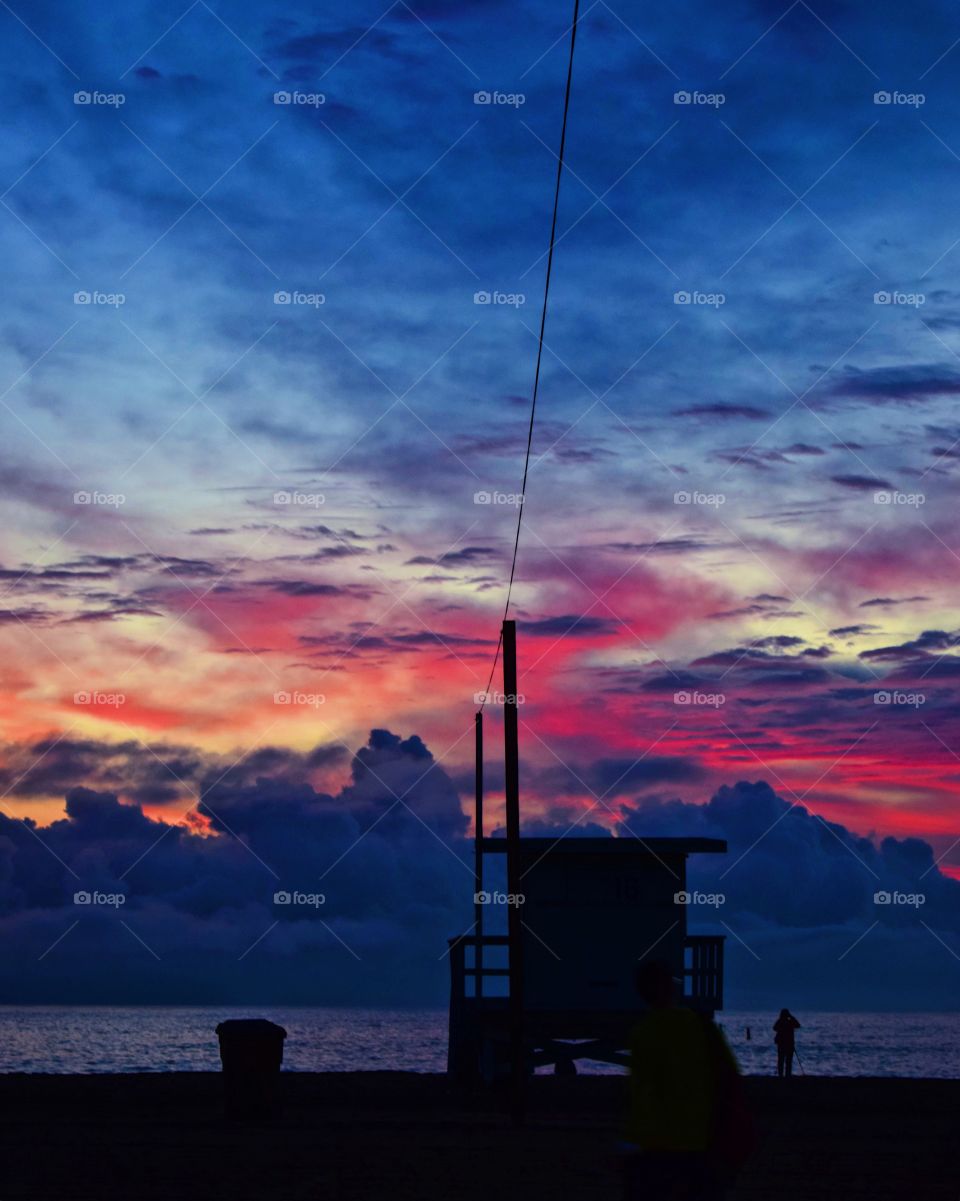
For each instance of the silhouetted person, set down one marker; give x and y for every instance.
(783, 1029)
(680, 1074)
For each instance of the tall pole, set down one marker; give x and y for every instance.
(511, 755)
(478, 854)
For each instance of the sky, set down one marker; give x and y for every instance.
(273, 278)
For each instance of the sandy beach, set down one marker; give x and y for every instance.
(375, 1135)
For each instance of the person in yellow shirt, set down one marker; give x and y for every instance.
(679, 1063)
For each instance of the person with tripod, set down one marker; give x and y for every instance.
(784, 1038)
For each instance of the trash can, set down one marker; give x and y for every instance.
(251, 1051)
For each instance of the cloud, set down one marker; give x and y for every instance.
(154, 775)
(803, 448)
(909, 383)
(724, 411)
(458, 558)
(685, 544)
(303, 588)
(861, 483)
(388, 851)
(572, 624)
(917, 648)
(799, 911)
(890, 602)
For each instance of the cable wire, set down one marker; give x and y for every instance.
(543, 324)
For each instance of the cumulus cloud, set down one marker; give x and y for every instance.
(801, 920)
(388, 852)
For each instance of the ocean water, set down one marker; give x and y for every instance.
(62, 1039)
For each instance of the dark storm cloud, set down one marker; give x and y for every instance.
(389, 854)
(387, 851)
(800, 924)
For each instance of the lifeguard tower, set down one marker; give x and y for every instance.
(559, 985)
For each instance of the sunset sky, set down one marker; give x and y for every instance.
(740, 529)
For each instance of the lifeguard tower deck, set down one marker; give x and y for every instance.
(592, 910)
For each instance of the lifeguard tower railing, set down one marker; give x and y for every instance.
(702, 971)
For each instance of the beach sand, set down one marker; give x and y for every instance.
(354, 1136)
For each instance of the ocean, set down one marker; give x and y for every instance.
(60, 1039)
